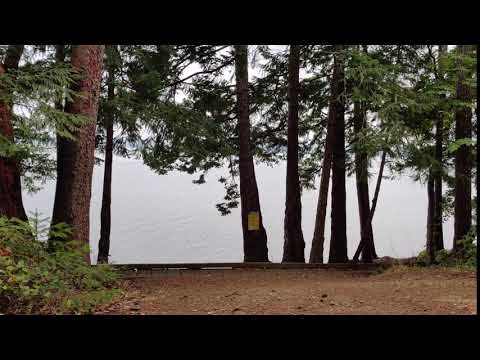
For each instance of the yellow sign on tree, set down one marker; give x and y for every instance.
(253, 221)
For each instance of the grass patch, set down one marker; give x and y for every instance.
(430, 268)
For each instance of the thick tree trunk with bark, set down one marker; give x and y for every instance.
(338, 239)
(463, 161)
(11, 203)
(361, 175)
(76, 160)
(431, 246)
(438, 171)
(254, 234)
(294, 245)
(316, 252)
(105, 220)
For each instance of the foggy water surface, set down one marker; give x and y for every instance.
(168, 219)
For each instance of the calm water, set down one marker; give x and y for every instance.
(169, 219)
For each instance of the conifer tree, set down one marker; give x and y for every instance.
(294, 245)
(254, 234)
(338, 238)
(11, 203)
(73, 191)
(463, 155)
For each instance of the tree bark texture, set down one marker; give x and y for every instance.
(431, 246)
(76, 158)
(11, 203)
(361, 176)
(374, 206)
(463, 161)
(338, 239)
(294, 245)
(254, 234)
(438, 169)
(106, 217)
(316, 252)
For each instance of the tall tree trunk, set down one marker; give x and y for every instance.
(338, 239)
(361, 176)
(463, 161)
(105, 226)
(431, 246)
(294, 245)
(478, 158)
(75, 164)
(60, 59)
(363, 241)
(59, 105)
(254, 234)
(438, 170)
(316, 252)
(11, 203)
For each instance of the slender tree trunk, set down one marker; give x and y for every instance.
(11, 203)
(463, 161)
(75, 164)
(338, 239)
(59, 58)
(294, 245)
(254, 234)
(431, 246)
(438, 170)
(361, 172)
(478, 158)
(105, 226)
(437, 221)
(316, 252)
(372, 210)
(361, 175)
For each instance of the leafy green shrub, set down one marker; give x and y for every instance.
(442, 257)
(38, 278)
(422, 258)
(466, 257)
(468, 245)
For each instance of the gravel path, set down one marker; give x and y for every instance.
(399, 290)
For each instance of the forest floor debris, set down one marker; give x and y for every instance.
(399, 290)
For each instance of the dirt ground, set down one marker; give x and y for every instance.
(398, 290)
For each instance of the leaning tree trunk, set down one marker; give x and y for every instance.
(361, 175)
(254, 234)
(363, 241)
(463, 161)
(316, 252)
(338, 239)
(75, 163)
(294, 245)
(438, 170)
(11, 203)
(106, 217)
(431, 246)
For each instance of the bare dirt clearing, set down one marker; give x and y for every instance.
(398, 290)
